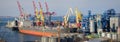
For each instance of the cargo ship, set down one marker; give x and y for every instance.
(46, 31)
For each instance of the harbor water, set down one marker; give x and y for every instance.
(13, 36)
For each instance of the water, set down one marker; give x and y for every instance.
(12, 36)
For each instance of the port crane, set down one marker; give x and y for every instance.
(36, 10)
(20, 9)
(66, 18)
(41, 13)
(78, 18)
(34, 6)
(47, 9)
(23, 14)
(48, 13)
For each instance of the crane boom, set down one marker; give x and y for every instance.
(78, 17)
(40, 5)
(47, 9)
(20, 9)
(41, 13)
(34, 7)
(66, 17)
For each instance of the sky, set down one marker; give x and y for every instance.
(10, 7)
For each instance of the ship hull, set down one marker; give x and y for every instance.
(15, 29)
(37, 33)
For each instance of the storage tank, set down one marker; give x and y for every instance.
(92, 29)
(114, 22)
(99, 31)
(44, 39)
(114, 36)
(109, 35)
(98, 19)
(103, 34)
(99, 23)
(53, 39)
(118, 31)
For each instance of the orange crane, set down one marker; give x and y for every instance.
(34, 7)
(20, 9)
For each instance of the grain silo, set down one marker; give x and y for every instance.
(99, 23)
(53, 39)
(114, 23)
(92, 29)
(44, 39)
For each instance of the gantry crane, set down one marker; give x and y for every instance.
(66, 18)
